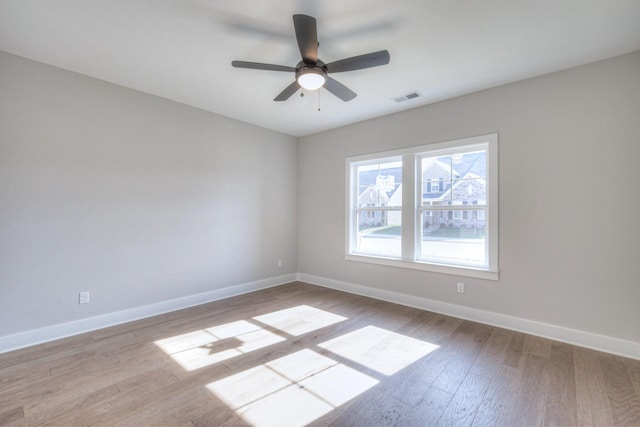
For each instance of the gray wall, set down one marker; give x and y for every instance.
(140, 200)
(569, 148)
(132, 197)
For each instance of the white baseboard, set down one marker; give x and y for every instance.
(559, 333)
(62, 330)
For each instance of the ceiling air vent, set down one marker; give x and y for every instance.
(407, 97)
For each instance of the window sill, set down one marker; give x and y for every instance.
(417, 265)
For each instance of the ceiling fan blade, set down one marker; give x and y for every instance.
(260, 66)
(307, 36)
(288, 91)
(359, 62)
(339, 90)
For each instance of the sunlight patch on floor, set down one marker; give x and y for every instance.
(379, 349)
(300, 387)
(299, 320)
(293, 390)
(195, 350)
(198, 349)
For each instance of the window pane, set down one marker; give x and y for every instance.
(436, 178)
(379, 184)
(473, 164)
(379, 233)
(450, 237)
(454, 178)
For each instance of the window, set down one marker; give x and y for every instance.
(432, 207)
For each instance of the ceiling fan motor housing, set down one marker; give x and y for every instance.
(311, 77)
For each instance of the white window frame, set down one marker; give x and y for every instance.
(355, 210)
(411, 209)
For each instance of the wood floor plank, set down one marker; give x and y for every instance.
(153, 379)
(176, 409)
(12, 379)
(515, 356)
(375, 411)
(11, 416)
(462, 408)
(501, 398)
(220, 417)
(624, 402)
(429, 409)
(145, 403)
(537, 345)
(54, 415)
(633, 369)
(490, 361)
(50, 392)
(58, 358)
(419, 319)
(423, 375)
(530, 407)
(434, 330)
(62, 391)
(438, 329)
(80, 360)
(469, 340)
(591, 391)
(22, 355)
(130, 389)
(561, 405)
(377, 364)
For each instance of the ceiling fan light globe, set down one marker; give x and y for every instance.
(311, 80)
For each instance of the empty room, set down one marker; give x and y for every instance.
(336, 213)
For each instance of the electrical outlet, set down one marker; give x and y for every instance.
(83, 297)
(461, 287)
(279, 263)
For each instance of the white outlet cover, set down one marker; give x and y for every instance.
(84, 297)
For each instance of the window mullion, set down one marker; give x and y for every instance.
(492, 200)
(453, 208)
(378, 208)
(409, 222)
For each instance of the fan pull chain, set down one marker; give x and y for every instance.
(319, 99)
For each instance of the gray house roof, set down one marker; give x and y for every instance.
(447, 170)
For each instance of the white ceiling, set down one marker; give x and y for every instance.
(182, 49)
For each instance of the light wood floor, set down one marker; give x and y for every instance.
(299, 354)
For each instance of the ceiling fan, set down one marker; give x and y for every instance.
(311, 73)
